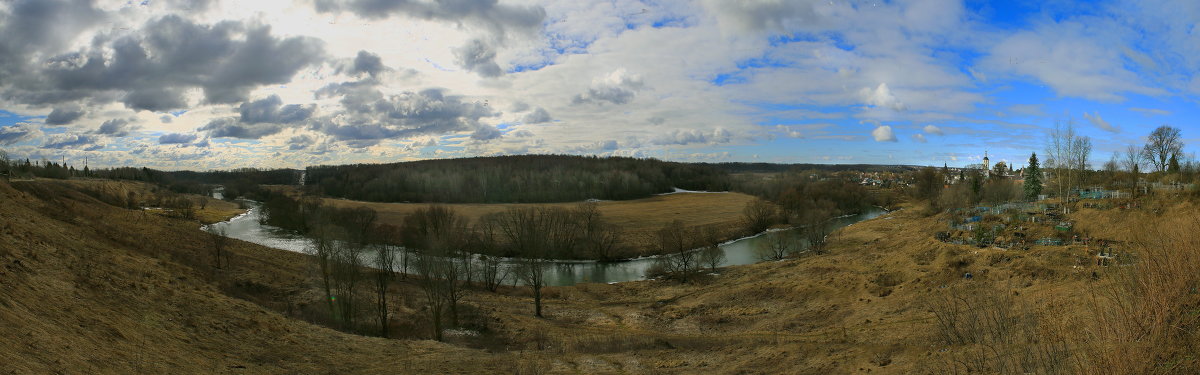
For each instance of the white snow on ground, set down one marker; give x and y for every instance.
(678, 191)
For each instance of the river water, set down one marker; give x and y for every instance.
(247, 227)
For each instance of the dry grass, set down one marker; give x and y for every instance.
(636, 219)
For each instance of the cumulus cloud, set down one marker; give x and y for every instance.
(176, 138)
(883, 133)
(490, 15)
(64, 115)
(86, 142)
(538, 116)
(919, 138)
(368, 115)
(618, 87)
(685, 137)
(486, 133)
(154, 68)
(367, 63)
(260, 118)
(301, 142)
(1099, 122)
(479, 57)
(229, 127)
(930, 129)
(18, 133)
(881, 96)
(272, 110)
(116, 128)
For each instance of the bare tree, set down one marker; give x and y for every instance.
(677, 244)
(385, 263)
(712, 255)
(1161, 145)
(1133, 161)
(321, 249)
(816, 229)
(346, 265)
(759, 215)
(536, 235)
(217, 237)
(1068, 156)
(430, 267)
(493, 272)
(440, 233)
(5, 164)
(598, 237)
(777, 245)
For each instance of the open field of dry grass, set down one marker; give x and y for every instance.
(636, 219)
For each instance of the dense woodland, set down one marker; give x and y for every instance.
(512, 179)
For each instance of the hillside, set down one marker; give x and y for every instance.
(96, 289)
(90, 288)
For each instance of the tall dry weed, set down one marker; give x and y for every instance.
(1147, 312)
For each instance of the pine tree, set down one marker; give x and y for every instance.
(1033, 178)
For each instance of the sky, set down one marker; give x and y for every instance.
(219, 84)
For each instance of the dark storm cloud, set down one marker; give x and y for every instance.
(478, 57)
(176, 138)
(369, 116)
(116, 128)
(64, 115)
(154, 67)
(489, 14)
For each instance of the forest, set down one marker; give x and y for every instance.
(513, 179)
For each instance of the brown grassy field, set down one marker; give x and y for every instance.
(214, 210)
(636, 219)
(92, 288)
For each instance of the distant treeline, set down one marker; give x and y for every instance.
(781, 168)
(508, 179)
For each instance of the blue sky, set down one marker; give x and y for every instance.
(219, 84)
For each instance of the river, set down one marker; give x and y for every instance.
(247, 227)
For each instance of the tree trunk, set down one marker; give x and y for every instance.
(537, 300)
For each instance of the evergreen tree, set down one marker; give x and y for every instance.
(1173, 165)
(1033, 178)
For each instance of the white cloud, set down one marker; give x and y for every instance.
(1151, 111)
(930, 129)
(919, 138)
(1100, 123)
(881, 96)
(883, 133)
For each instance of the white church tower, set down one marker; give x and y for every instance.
(987, 168)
